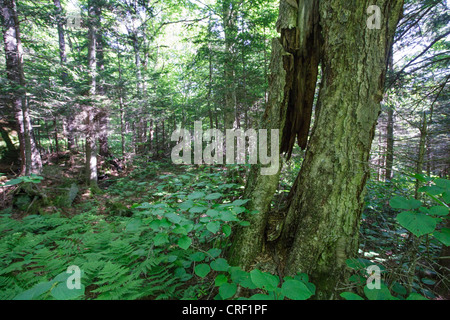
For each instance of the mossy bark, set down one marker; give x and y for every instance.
(325, 204)
(322, 222)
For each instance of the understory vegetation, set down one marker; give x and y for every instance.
(161, 232)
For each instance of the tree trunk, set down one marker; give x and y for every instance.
(30, 157)
(320, 230)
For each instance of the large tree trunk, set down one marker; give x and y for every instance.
(323, 219)
(320, 230)
(31, 159)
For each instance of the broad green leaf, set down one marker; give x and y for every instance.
(432, 190)
(62, 292)
(133, 225)
(295, 290)
(443, 183)
(226, 230)
(212, 213)
(378, 294)
(202, 270)
(238, 210)
(186, 205)
(213, 196)
(220, 280)
(213, 226)
(198, 209)
(404, 203)
(358, 264)
(173, 217)
(438, 211)
(227, 290)
(239, 202)
(13, 182)
(264, 280)
(160, 239)
(351, 296)
(36, 291)
(398, 288)
(416, 296)
(184, 242)
(260, 296)
(443, 236)
(227, 216)
(214, 252)
(220, 265)
(417, 223)
(196, 195)
(198, 256)
(446, 196)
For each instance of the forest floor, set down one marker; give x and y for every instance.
(158, 184)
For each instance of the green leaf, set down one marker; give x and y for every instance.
(417, 223)
(443, 236)
(404, 203)
(220, 265)
(214, 252)
(133, 225)
(226, 230)
(184, 242)
(295, 290)
(213, 196)
(198, 256)
(264, 280)
(416, 296)
(212, 213)
(398, 288)
(443, 183)
(378, 294)
(432, 190)
(160, 239)
(438, 211)
(446, 196)
(428, 281)
(62, 292)
(351, 296)
(239, 202)
(227, 216)
(220, 280)
(13, 182)
(202, 270)
(198, 209)
(358, 264)
(260, 296)
(213, 226)
(227, 290)
(186, 205)
(173, 217)
(36, 291)
(196, 195)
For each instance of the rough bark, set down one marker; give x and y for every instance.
(322, 222)
(322, 218)
(30, 157)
